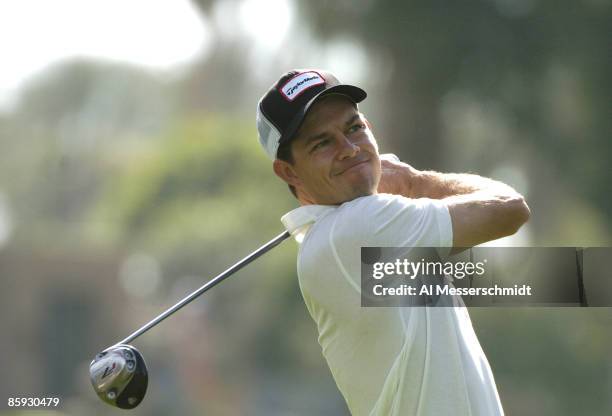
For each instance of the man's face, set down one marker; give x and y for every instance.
(335, 154)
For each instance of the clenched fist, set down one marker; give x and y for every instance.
(397, 177)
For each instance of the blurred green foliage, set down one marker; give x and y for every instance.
(204, 181)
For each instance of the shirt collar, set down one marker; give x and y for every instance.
(299, 220)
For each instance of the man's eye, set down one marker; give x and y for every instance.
(319, 145)
(356, 127)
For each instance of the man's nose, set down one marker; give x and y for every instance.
(347, 149)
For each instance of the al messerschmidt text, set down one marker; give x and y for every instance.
(446, 290)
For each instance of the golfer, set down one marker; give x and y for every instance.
(392, 360)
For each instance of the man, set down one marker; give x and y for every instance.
(385, 361)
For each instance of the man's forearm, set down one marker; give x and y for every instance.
(402, 179)
(481, 209)
(435, 185)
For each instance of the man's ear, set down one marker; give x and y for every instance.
(286, 172)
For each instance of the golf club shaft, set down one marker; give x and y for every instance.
(219, 278)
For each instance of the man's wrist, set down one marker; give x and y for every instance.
(427, 184)
(412, 181)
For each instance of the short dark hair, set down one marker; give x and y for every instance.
(284, 153)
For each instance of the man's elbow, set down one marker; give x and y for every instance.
(517, 213)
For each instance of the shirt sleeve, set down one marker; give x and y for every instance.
(385, 220)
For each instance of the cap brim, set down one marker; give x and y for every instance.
(352, 92)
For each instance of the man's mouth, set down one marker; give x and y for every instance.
(352, 166)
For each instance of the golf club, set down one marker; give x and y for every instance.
(119, 374)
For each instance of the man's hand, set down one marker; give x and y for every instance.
(396, 176)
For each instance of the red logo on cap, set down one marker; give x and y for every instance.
(300, 83)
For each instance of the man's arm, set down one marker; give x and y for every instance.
(481, 209)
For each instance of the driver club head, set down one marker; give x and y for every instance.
(119, 376)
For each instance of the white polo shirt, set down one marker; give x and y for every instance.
(388, 361)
